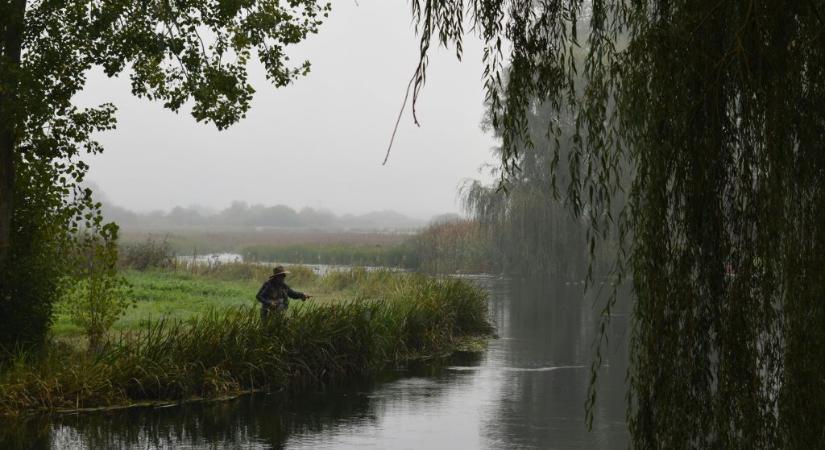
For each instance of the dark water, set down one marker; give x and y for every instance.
(526, 391)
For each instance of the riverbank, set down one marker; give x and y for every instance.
(374, 320)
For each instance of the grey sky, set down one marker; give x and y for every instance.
(318, 142)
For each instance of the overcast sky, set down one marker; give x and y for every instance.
(318, 142)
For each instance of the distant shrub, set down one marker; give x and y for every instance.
(369, 283)
(151, 253)
(453, 246)
(301, 275)
(338, 280)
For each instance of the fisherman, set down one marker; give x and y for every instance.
(274, 295)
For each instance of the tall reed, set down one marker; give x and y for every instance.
(388, 255)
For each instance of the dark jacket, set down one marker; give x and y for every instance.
(276, 294)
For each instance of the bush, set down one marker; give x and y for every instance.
(30, 280)
(339, 280)
(301, 275)
(96, 296)
(454, 246)
(150, 253)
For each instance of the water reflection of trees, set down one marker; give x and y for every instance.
(257, 421)
(547, 323)
(250, 422)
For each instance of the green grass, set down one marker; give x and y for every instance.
(183, 292)
(197, 333)
(175, 295)
(179, 296)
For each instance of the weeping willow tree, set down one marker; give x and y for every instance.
(718, 108)
(530, 231)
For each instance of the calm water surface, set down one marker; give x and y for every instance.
(526, 391)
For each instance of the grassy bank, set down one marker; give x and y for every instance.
(183, 291)
(219, 346)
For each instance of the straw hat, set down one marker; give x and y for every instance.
(279, 270)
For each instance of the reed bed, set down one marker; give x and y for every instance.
(243, 271)
(387, 255)
(185, 241)
(395, 318)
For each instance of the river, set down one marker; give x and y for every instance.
(527, 390)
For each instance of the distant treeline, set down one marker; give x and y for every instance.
(241, 214)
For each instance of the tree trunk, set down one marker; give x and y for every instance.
(9, 119)
(6, 188)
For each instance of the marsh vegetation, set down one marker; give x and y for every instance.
(195, 332)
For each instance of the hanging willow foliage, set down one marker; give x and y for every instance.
(719, 109)
(528, 233)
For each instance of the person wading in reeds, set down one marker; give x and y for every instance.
(274, 295)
